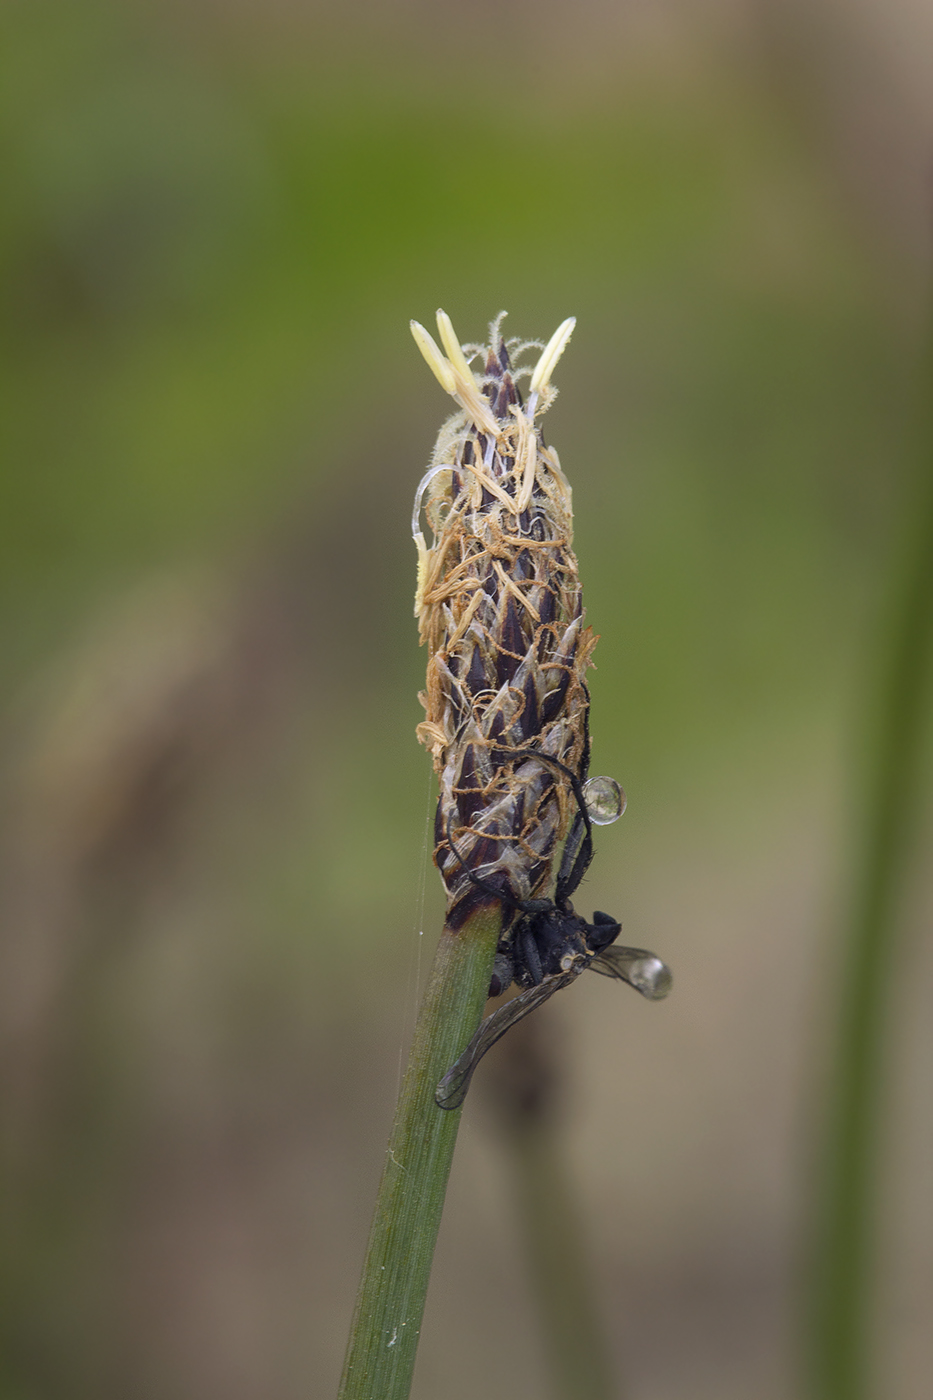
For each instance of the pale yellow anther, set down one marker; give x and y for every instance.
(441, 368)
(455, 374)
(452, 346)
(552, 353)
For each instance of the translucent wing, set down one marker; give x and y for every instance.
(640, 969)
(452, 1089)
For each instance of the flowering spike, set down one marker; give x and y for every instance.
(429, 349)
(555, 347)
(500, 608)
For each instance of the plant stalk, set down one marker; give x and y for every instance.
(384, 1337)
(573, 1339)
(843, 1238)
(525, 1090)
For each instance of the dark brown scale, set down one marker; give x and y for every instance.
(506, 666)
(470, 798)
(546, 641)
(466, 456)
(550, 706)
(476, 675)
(530, 721)
(524, 565)
(512, 644)
(497, 727)
(498, 385)
(505, 398)
(484, 850)
(513, 637)
(546, 608)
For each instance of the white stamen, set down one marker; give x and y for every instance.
(423, 485)
(526, 460)
(552, 353)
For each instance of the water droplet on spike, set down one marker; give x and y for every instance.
(650, 976)
(605, 800)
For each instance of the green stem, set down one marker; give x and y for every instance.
(384, 1336)
(578, 1362)
(843, 1260)
(524, 1089)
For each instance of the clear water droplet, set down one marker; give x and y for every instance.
(650, 976)
(605, 800)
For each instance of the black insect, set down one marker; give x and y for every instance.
(550, 945)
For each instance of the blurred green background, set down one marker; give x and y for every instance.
(217, 219)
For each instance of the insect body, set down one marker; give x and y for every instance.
(550, 945)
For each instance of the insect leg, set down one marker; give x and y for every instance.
(529, 952)
(452, 1089)
(578, 852)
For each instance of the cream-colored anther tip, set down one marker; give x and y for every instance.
(452, 346)
(551, 354)
(431, 352)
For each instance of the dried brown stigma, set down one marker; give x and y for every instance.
(500, 609)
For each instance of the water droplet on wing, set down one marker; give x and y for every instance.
(650, 976)
(605, 800)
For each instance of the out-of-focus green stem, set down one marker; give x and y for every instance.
(384, 1336)
(524, 1088)
(574, 1344)
(843, 1239)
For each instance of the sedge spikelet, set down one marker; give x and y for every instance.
(500, 609)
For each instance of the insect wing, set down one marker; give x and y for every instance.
(452, 1089)
(640, 969)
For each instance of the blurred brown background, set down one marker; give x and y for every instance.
(217, 221)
